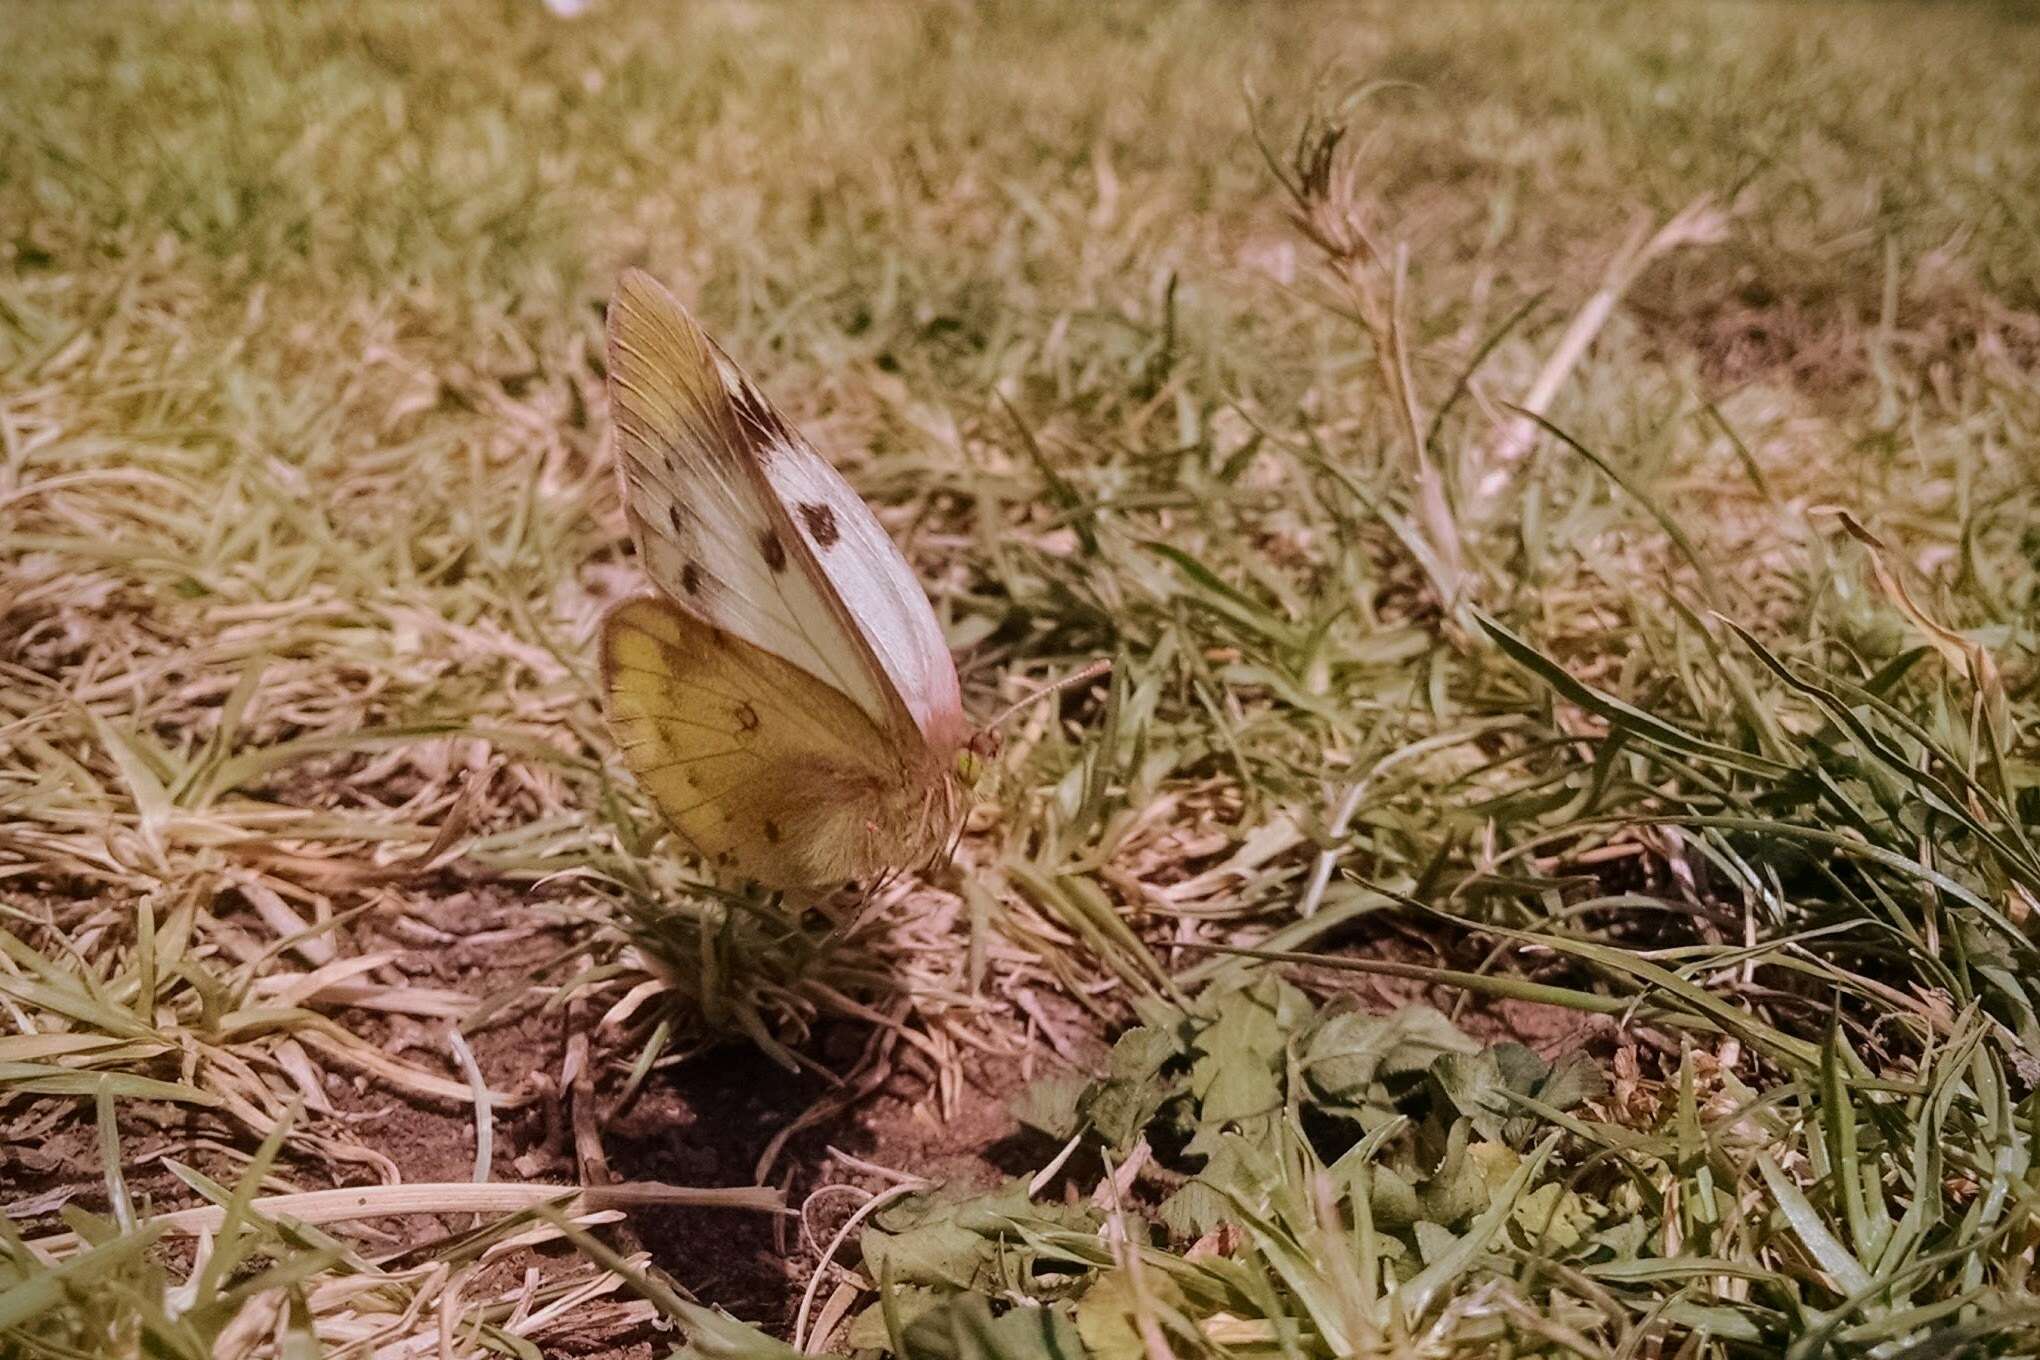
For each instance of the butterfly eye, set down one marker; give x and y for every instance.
(976, 754)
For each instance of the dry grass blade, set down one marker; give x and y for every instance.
(308, 514)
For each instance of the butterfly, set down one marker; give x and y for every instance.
(785, 694)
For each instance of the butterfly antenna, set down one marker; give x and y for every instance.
(1087, 674)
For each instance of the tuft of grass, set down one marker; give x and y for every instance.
(1438, 416)
(267, 1280)
(1338, 1183)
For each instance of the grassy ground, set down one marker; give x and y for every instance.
(1629, 809)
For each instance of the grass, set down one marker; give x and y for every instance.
(1557, 486)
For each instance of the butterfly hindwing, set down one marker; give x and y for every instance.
(744, 525)
(767, 772)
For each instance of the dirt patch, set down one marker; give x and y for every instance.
(1751, 335)
(705, 1122)
(710, 1120)
(1822, 332)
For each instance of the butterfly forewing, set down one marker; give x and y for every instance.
(869, 574)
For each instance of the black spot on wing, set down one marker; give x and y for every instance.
(679, 522)
(690, 578)
(821, 524)
(771, 832)
(746, 716)
(774, 550)
(763, 430)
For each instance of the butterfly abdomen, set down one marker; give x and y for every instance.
(854, 825)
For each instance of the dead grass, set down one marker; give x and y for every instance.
(306, 511)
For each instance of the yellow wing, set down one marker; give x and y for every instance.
(770, 774)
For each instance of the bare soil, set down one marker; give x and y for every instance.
(704, 1122)
(1744, 320)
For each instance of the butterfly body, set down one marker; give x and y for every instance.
(786, 695)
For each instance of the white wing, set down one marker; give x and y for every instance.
(740, 522)
(872, 578)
